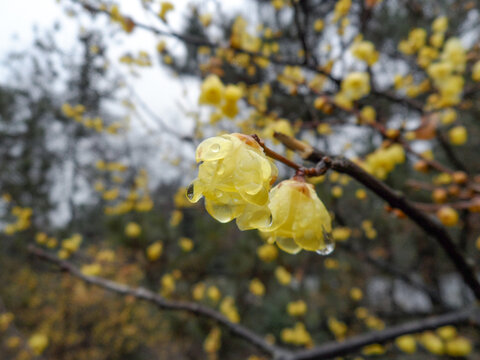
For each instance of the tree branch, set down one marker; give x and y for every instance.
(162, 303)
(394, 199)
(333, 349)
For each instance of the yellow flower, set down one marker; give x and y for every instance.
(368, 114)
(440, 24)
(361, 194)
(297, 308)
(356, 85)
(416, 40)
(281, 126)
(91, 269)
(256, 287)
(383, 160)
(213, 293)
(38, 342)
(318, 25)
(298, 335)
(341, 233)
(337, 191)
(176, 218)
(168, 284)
(299, 218)
(133, 230)
(186, 244)
(365, 50)
(72, 244)
(282, 275)
(213, 341)
(41, 238)
(154, 251)
(447, 332)
(198, 291)
(267, 252)
(406, 343)
(233, 93)
(448, 116)
(432, 343)
(338, 328)
(374, 349)
(227, 308)
(459, 346)
(5, 320)
(165, 7)
(454, 53)
(206, 19)
(235, 177)
(341, 9)
(458, 135)
(212, 91)
(356, 294)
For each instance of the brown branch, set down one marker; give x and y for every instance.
(274, 155)
(162, 303)
(334, 349)
(396, 200)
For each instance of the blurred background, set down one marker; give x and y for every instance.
(99, 121)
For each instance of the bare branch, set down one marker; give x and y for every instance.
(333, 349)
(162, 303)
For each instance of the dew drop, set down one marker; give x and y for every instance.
(190, 192)
(270, 221)
(215, 148)
(218, 194)
(328, 244)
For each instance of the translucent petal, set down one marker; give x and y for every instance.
(213, 149)
(254, 217)
(194, 191)
(309, 239)
(288, 245)
(222, 212)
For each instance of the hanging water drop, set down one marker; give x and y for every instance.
(190, 192)
(328, 244)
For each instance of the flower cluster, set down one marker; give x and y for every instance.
(223, 97)
(382, 161)
(235, 178)
(355, 86)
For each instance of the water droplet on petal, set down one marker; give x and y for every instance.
(218, 194)
(215, 148)
(190, 192)
(328, 244)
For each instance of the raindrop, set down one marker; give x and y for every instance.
(270, 221)
(190, 192)
(328, 244)
(215, 148)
